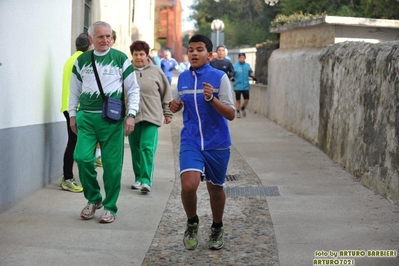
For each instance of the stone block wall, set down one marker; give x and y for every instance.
(263, 53)
(334, 81)
(359, 112)
(343, 99)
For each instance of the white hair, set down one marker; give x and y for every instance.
(99, 24)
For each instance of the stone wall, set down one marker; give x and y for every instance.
(263, 53)
(359, 115)
(343, 99)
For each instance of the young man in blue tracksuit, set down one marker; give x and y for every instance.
(241, 85)
(205, 93)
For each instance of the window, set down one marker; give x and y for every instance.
(134, 6)
(87, 18)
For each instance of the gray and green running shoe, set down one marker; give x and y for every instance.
(216, 238)
(190, 239)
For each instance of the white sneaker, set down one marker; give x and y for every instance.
(107, 217)
(89, 211)
(136, 185)
(145, 188)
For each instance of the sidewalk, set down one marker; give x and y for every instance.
(45, 229)
(320, 208)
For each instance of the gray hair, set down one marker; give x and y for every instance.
(98, 24)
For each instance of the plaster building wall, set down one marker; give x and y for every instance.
(131, 20)
(292, 97)
(33, 132)
(32, 128)
(114, 12)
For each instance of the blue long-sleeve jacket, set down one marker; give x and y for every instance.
(203, 127)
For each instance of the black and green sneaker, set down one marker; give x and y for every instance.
(216, 238)
(190, 239)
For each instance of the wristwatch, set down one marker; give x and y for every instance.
(131, 115)
(210, 99)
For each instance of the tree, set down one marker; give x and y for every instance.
(246, 22)
(379, 9)
(383, 9)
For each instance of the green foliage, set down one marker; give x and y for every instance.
(185, 40)
(388, 9)
(248, 22)
(294, 18)
(346, 11)
(382, 9)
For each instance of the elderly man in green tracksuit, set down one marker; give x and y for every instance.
(85, 104)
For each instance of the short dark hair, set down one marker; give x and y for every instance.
(140, 46)
(204, 39)
(114, 35)
(217, 48)
(82, 42)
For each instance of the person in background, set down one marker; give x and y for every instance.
(206, 94)
(155, 95)
(113, 38)
(155, 57)
(227, 57)
(242, 71)
(68, 183)
(117, 76)
(221, 63)
(168, 64)
(185, 64)
(214, 56)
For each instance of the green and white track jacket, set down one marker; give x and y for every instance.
(114, 69)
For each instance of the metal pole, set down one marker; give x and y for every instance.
(217, 38)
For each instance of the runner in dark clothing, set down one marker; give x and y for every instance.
(221, 63)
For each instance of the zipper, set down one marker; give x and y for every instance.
(197, 112)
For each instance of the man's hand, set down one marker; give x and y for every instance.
(176, 105)
(129, 125)
(72, 123)
(167, 119)
(208, 90)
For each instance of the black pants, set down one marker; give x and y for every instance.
(70, 148)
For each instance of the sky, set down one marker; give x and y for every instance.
(187, 25)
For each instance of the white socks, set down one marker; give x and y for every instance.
(98, 152)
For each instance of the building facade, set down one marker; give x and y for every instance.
(41, 38)
(168, 26)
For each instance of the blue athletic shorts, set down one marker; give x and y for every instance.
(211, 164)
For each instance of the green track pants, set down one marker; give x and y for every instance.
(92, 129)
(143, 144)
